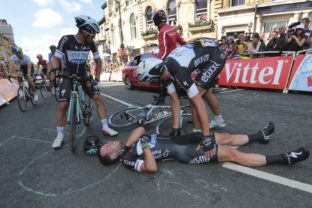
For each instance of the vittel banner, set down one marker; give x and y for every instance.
(301, 75)
(270, 72)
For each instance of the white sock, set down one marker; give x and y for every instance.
(218, 118)
(60, 131)
(104, 123)
(197, 130)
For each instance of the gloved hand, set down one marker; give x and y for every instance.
(175, 132)
(145, 142)
(208, 143)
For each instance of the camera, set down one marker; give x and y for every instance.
(292, 28)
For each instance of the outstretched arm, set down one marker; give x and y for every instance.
(134, 136)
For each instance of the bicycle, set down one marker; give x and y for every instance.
(150, 114)
(24, 95)
(80, 108)
(42, 84)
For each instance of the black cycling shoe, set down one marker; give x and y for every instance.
(296, 155)
(267, 132)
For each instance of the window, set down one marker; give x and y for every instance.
(149, 15)
(201, 10)
(172, 12)
(133, 27)
(271, 26)
(238, 2)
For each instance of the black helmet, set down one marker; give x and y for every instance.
(52, 47)
(159, 17)
(91, 145)
(88, 24)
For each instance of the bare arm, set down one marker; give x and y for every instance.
(98, 68)
(149, 165)
(134, 136)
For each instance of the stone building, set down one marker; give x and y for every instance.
(127, 28)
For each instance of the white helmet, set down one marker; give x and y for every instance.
(88, 24)
(150, 68)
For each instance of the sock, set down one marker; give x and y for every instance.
(275, 159)
(197, 130)
(60, 131)
(218, 118)
(258, 137)
(104, 123)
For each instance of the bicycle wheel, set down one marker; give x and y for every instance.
(22, 99)
(56, 89)
(87, 110)
(44, 90)
(165, 125)
(126, 117)
(32, 94)
(73, 122)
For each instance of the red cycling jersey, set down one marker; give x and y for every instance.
(168, 38)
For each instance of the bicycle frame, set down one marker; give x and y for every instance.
(74, 96)
(160, 115)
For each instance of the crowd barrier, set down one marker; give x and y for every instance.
(114, 76)
(289, 71)
(8, 90)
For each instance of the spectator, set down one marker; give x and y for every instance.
(297, 39)
(271, 46)
(307, 32)
(241, 45)
(255, 44)
(262, 41)
(281, 43)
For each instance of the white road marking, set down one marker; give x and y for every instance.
(250, 171)
(268, 176)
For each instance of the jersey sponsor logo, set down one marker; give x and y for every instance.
(207, 42)
(200, 160)
(183, 56)
(209, 72)
(128, 162)
(158, 154)
(201, 60)
(77, 57)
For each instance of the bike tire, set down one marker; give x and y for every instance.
(164, 126)
(44, 90)
(22, 99)
(56, 89)
(32, 94)
(73, 123)
(126, 117)
(87, 111)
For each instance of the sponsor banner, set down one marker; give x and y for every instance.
(269, 73)
(301, 75)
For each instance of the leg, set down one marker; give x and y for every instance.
(214, 106)
(227, 154)
(60, 122)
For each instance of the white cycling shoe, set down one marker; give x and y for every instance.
(109, 131)
(214, 124)
(58, 142)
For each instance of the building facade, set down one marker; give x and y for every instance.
(127, 28)
(6, 40)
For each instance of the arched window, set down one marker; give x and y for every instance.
(133, 27)
(172, 12)
(201, 10)
(149, 15)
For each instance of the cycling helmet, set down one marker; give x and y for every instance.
(88, 24)
(159, 17)
(52, 47)
(150, 68)
(91, 145)
(39, 56)
(19, 50)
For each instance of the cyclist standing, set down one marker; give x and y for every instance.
(43, 65)
(70, 58)
(202, 57)
(26, 68)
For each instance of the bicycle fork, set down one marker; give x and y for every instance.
(74, 101)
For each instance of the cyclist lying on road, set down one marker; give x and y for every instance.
(140, 152)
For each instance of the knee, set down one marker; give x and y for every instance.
(63, 106)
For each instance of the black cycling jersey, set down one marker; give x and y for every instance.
(203, 57)
(75, 54)
(183, 149)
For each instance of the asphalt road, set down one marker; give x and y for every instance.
(33, 175)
